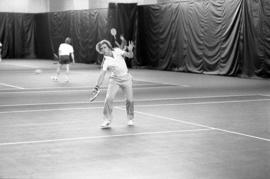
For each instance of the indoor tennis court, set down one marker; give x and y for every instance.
(192, 126)
(196, 105)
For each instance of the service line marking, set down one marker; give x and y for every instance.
(99, 137)
(199, 125)
(12, 86)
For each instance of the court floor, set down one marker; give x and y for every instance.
(187, 126)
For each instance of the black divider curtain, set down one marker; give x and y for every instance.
(225, 37)
(17, 34)
(192, 36)
(256, 58)
(42, 37)
(206, 36)
(85, 27)
(123, 17)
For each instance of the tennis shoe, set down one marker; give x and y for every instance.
(105, 124)
(66, 79)
(54, 78)
(130, 122)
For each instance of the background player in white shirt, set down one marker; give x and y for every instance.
(66, 56)
(120, 78)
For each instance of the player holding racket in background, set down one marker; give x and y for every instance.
(120, 78)
(123, 44)
(66, 56)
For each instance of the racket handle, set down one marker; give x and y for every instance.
(96, 88)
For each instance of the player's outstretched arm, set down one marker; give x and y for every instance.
(96, 90)
(130, 47)
(72, 57)
(101, 77)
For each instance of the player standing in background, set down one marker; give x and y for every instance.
(66, 56)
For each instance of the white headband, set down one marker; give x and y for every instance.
(102, 41)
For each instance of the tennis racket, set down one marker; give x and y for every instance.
(56, 58)
(113, 33)
(94, 94)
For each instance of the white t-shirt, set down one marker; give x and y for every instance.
(117, 65)
(65, 49)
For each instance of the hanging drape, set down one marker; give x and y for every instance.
(224, 37)
(206, 36)
(85, 27)
(123, 17)
(192, 36)
(17, 34)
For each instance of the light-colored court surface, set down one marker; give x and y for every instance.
(187, 126)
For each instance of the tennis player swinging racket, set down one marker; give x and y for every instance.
(120, 78)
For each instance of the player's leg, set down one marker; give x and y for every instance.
(108, 104)
(67, 73)
(128, 91)
(58, 70)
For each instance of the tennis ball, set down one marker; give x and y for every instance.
(38, 71)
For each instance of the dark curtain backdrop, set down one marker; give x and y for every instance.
(256, 59)
(192, 36)
(39, 35)
(42, 37)
(123, 17)
(85, 27)
(206, 36)
(17, 34)
(229, 37)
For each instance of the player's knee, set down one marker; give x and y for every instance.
(129, 102)
(109, 100)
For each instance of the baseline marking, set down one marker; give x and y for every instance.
(72, 89)
(45, 110)
(22, 65)
(265, 95)
(13, 86)
(100, 137)
(142, 105)
(199, 103)
(200, 125)
(138, 100)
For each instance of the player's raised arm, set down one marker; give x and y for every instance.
(130, 47)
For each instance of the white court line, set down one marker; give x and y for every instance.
(168, 118)
(43, 90)
(73, 89)
(142, 105)
(20, 65)
(201, 103)
(100, 137)
(266, 95)
(138, 100)
(46, 110)
(199, 125)
(186, 86)
(41, 104)
(12, 86)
